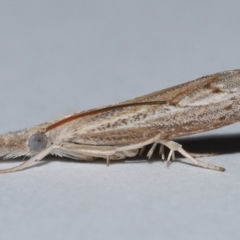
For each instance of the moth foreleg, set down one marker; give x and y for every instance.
(28, 162)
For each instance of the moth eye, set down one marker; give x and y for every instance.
(37, 142)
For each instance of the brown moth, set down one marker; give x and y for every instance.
(121, 130)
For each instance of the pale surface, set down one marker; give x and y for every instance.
(63, 56)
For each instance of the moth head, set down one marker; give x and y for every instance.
(22, 143)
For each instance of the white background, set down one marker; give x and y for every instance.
(57, 57)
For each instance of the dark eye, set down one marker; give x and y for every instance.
(37, 142)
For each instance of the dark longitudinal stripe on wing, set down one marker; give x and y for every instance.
(96, 111)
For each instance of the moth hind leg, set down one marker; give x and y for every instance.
(199, 155)
(173, 146)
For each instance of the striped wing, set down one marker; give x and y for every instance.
(207, 103)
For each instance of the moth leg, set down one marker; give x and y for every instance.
(154, 140)
(161, 151)
(173, 146)
(106, 152)
(25, 164)
(129, 150)
(88, 153)
(150, 152)
(198, 155)
(200, 163)
(142, 150)
(129, 153)
(171, 155)
(117, 156)
(108, 160)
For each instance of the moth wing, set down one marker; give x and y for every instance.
(193, 92)
(126, 122)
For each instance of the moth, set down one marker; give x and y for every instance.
(122, 130)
